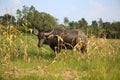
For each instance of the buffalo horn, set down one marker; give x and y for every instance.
(48, 33)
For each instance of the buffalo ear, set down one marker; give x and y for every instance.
(35, 31)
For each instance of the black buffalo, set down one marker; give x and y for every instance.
(59, 38)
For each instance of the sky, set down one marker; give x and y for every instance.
(74, 10)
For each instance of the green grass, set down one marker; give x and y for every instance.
(21, 59)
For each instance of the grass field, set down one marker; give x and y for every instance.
(21, 59)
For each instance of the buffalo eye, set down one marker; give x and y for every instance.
(41, 36)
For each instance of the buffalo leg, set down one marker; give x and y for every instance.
(56, 50)
(84, 49)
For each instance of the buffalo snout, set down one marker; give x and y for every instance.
(39, 45)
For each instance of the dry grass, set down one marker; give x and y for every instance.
(21, 59)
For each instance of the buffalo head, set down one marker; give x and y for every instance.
(42, 36)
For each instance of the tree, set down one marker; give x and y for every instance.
(66, 21)
(44, 21)
(115, 30)
(7, 19)
(31, 18)
(95, 27)
(83, 23)
(95, 24)
(106, 27)
(31, 15)
(32, 9)
(73, 24)
(19, 16)
(100, 23)
(25, 12)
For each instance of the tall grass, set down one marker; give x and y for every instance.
(21, 59)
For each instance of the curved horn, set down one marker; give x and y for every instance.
(48, 33)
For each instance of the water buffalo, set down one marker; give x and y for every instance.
(59, 38)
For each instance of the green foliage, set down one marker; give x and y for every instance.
(29, 18)
(7, 19)
(98, 29)
(83, 23)
(66, 21)
(94, 24)
(73, 25)
(100, 23)
(32, 18)
(19, 17)
(43, 21)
